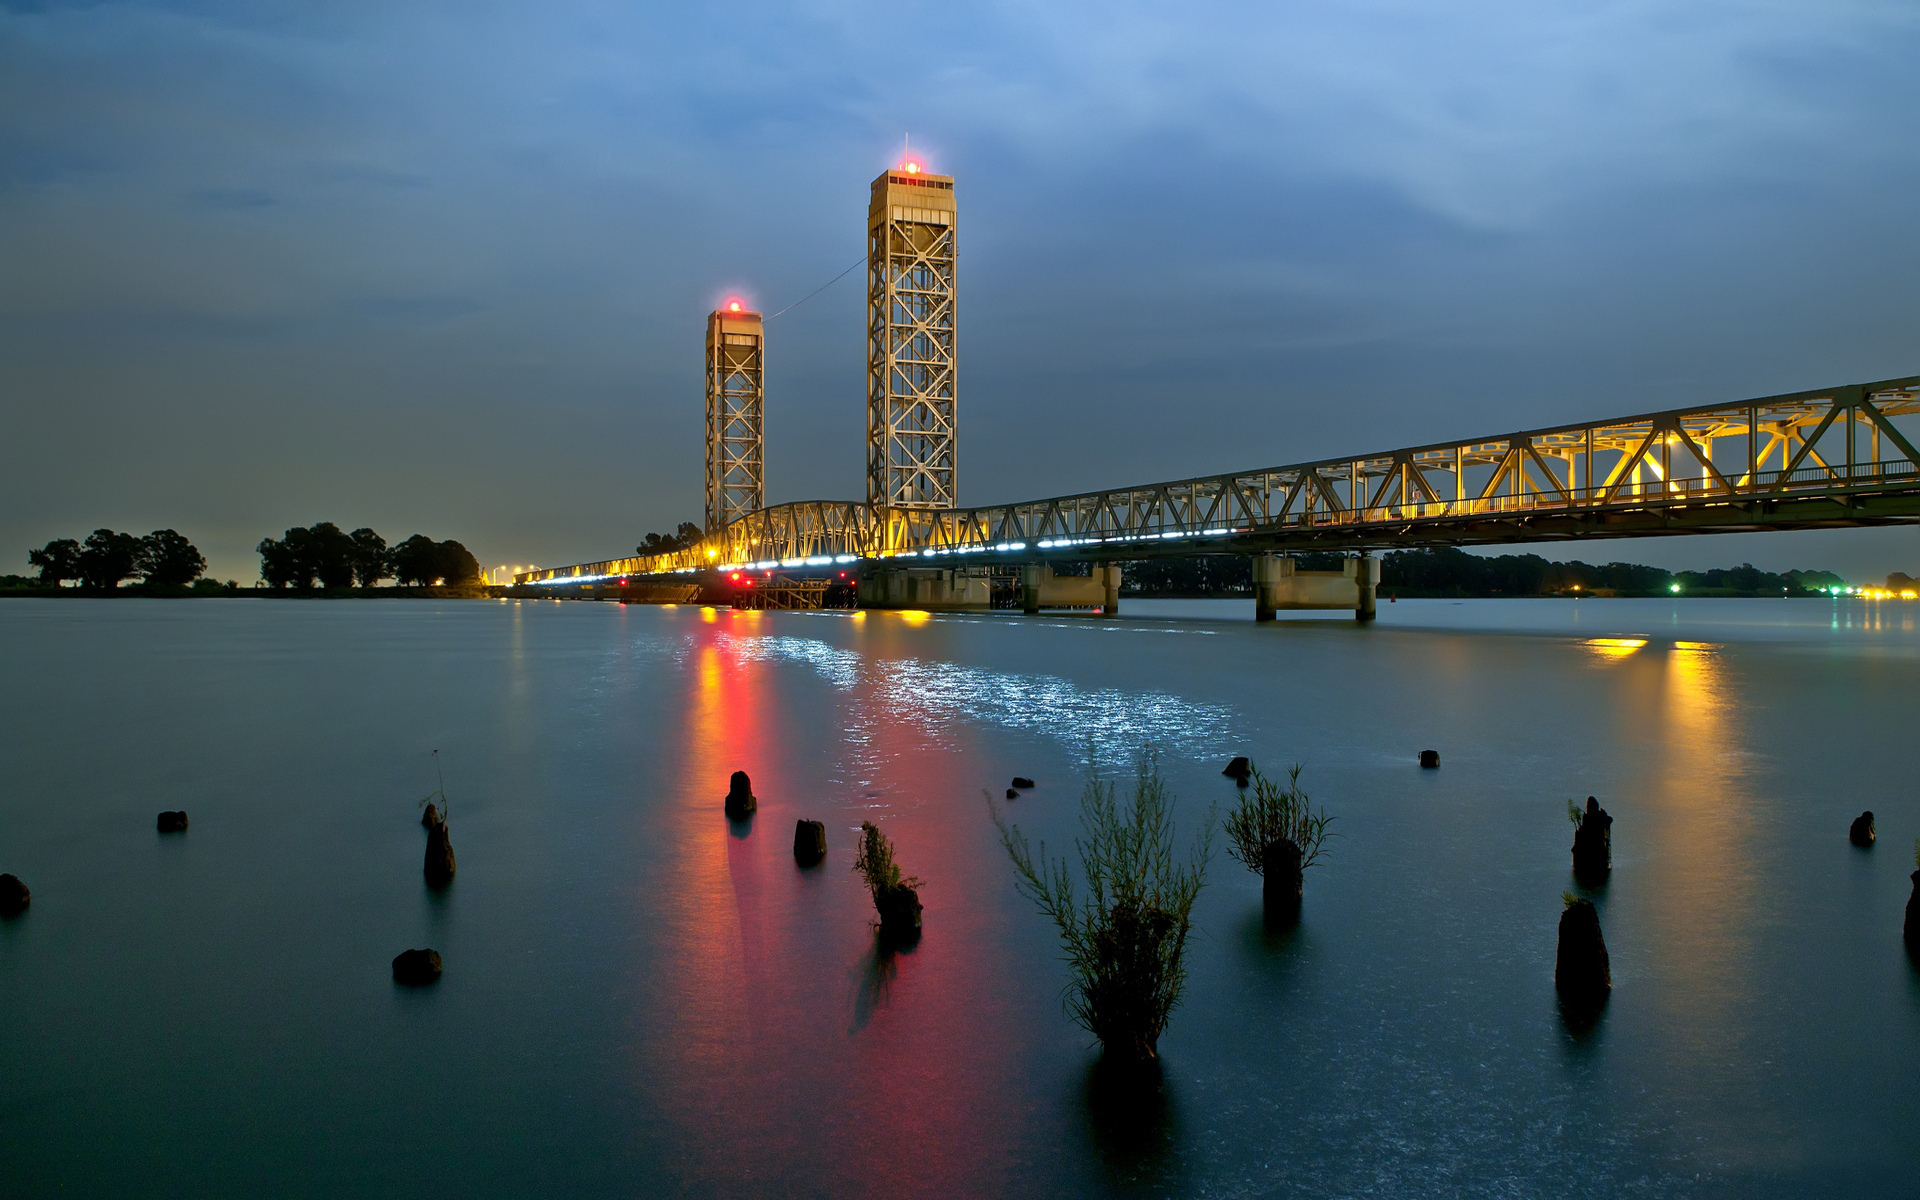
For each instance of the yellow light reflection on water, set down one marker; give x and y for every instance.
(914, 616)
(709, 614)
(1615, 647)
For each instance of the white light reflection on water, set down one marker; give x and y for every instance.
(1114, 723)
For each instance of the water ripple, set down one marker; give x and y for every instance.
(1113, 722)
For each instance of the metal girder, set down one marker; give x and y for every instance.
(912, 433)
(1622, 479)
(736, 408)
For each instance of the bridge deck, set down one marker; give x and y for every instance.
(1822, 458)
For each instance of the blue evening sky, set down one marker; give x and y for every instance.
(444, 268)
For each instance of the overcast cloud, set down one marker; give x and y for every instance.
(445, 268)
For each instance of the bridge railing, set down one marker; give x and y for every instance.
(1835, 441)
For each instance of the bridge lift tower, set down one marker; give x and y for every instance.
(911, 432)
(736, 426)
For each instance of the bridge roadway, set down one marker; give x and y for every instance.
(1816, 459)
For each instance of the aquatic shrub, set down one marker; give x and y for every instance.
(439, 865)
(895, 898)
(1126, 940)
(1277, 835)
(432, 816)
(1592, 842)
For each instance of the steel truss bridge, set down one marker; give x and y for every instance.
(1817, 459)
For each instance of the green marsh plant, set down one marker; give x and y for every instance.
(895, 898)
(1125, 936)
(1277, 835)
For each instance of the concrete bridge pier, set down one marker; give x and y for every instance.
(1271, 574)
(1041, 588)
(1278, 584)
(932, 589)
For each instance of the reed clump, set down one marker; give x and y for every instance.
(895, 897)
(1126, 937)
(1277, 834)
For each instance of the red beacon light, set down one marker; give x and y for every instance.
(733, 306)
(913, 168)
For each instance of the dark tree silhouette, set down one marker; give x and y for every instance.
(457, 564)
(416, 561)
(107, 558)
(665, 543)
(169, 559)
(331, 553)
(371, 561)
(422, 562)
(58, 560)
(280, 564)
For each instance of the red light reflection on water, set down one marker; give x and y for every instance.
(794, 1045)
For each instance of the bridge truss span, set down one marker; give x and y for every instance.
(1822, 458)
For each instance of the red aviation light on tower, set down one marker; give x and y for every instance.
(913, 168)
(733, 306)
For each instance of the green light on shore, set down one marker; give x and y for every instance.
(1673, 587)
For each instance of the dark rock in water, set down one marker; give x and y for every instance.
(14, 896)
(899, 908)
(416, 967)
(1281, 879)
(1012, 794)
(1861, 833)
(1911, 930)
(740, 797)
(431, 817)
(809, 842)
(1021, 781)
(173, 822)
(439, 867)
(1239, 769)
(1593, 844)
(1430, 759)
(1581, 973)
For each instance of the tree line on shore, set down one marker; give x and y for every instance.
(1446, 571)
(106, 559)
(319, 555)
(326, 556)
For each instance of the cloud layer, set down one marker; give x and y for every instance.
(445, 267)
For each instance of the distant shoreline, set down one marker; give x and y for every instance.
(223, 592)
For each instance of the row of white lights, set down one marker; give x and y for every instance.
(824, 560)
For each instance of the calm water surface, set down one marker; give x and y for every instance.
(642, 999)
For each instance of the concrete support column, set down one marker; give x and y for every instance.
(1367, 575)
(1270, 571)
(1031, 577)
(1109, 574)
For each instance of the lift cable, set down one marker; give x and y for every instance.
(823, 287)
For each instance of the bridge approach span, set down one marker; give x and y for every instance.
(1816, 459)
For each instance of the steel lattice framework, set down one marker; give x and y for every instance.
(736, 416)
(912, 437)
(1823, 458)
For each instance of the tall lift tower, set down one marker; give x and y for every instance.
(736, 427)
(911, 432)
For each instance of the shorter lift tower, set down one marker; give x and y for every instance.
(736, 426)
(911, 432)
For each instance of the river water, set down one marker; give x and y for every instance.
(641, 999)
